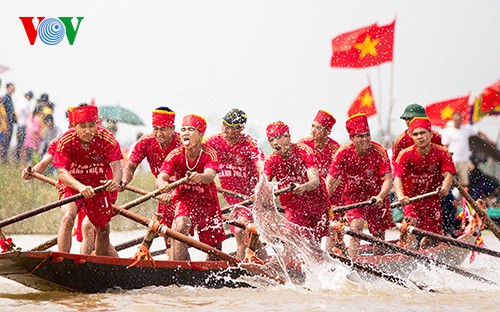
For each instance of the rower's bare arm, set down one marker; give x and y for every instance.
(161, 181)
(117, 176)
(398, 186)
(128, 172)
(39, 167)
(447, 181)
(385, 189)
(70, 181)
(311, 184)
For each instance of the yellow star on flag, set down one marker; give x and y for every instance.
(367, 47)
(366, 99)
(447, 112)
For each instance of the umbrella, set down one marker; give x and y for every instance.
(121, 114)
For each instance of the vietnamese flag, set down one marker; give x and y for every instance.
(440, 113)
(486, 103)
(364, 47)
(364, 103)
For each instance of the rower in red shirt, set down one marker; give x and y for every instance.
(364, 167)
(196, 202)
(84, 230)
(83, 157)
(240, 162)
(307, 205)
(420, 169)
(405, 140)
(155, 147)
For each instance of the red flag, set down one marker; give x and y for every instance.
(440, 113)
(3, 68)
(364, 103)
(364, 47)
(487, 103)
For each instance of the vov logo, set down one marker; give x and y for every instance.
(51, 30)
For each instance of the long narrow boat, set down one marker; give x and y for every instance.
(56, 271)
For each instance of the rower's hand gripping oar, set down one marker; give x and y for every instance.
(451, 241)
(413, 254)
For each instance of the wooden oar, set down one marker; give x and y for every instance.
(416, 198)
(340, 209)
(452, 241)
(249, 201)
(373, 271)
(47, 207)
(489, 223)
(233, 194)
(139, 190)
(413, 254)
(154, 193)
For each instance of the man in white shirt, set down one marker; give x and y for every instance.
(456, 139)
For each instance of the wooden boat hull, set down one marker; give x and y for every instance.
(402, 265)
(55, 271)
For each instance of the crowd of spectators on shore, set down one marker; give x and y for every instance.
(26, 125)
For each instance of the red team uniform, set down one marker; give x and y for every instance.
(421, 175)
(237, 167)
(90, 167)
(199, 202)
(148, 147)
(363, 177)
(309, 209)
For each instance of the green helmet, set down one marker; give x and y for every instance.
(413, 110)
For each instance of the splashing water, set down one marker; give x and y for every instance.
(298, 259)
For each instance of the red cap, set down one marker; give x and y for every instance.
(195, 121)
(277, 129)
(163, 118)
(84, 114)
(357, 124)
(325, 118)
(420, 122)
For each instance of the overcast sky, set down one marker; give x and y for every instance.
(269, 58)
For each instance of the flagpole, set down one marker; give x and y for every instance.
(391, 105)
(378, 112)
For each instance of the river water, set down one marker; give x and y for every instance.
(322, 292)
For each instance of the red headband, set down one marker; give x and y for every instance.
(195, 121)
(277, 129)
(83, 114)
(325, 118)
(420, 122)
(357, 124)
(163, 118)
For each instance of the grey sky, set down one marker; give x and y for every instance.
(269, 58)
